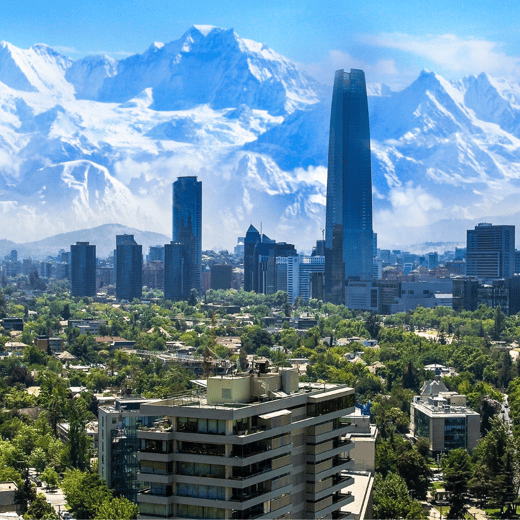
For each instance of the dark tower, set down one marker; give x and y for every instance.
(187, 224)
(129, 268)
(82, 269)
(252, 238)
(175, 272)
(348, 230)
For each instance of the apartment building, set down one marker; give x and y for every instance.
(255, 445)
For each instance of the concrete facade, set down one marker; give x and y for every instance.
(251, 446)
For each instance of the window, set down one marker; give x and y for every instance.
(226, 393)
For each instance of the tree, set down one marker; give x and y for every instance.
(26, 493)
(50, 477)
(497, 457)
(373, 325)
(192, 300)
(117, 509)
(85, 493)
(457, 472)
(40, 509)
(392, 499)
(499, 319)
(414, 470)
(423, 446)
(79, 443)
(411, 377)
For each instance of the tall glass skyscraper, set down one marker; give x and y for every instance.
(83, 269)
(187, 224)
(348, 229)
(129, 268)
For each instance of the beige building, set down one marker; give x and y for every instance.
(444, 419)
(250, 446)
(7, 496)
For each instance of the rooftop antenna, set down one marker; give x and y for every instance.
(323, 234)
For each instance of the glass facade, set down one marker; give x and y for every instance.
(422, 424)
(129, 268)
(349, 235)
(83, 269)
(187, 224)
(176, 272)
(455, 429)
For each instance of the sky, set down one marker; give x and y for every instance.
(391, 40)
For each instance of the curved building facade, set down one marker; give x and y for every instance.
(348, 229)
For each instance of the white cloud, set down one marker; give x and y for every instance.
(410, 206)
(455, 54)
(9, 164)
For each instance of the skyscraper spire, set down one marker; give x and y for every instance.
(348, 235)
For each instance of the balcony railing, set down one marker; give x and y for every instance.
(338, 461)
(148, 491)
(338, 497)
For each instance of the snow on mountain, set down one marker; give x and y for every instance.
(207, 65)
(99, 140)
(38, 69)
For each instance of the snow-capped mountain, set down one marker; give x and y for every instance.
(99, 140)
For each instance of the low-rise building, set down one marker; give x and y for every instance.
(7, 498)
(444, 419)
(12, 323)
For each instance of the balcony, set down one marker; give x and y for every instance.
(147, 496)
(314, 507)
(339, 461)
(340, 497)
(244, 496)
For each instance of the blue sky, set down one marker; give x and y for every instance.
(391, 40)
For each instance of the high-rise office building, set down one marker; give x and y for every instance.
(129, 268)
(491, 251)
(187, 224)
(82, 269)
(251, 239)
(348, 230)
(176, 274)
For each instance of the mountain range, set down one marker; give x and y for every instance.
(104, 238)
(96, 140)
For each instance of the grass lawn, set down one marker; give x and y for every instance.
(443, 510)
(438, 485)
(492, 513)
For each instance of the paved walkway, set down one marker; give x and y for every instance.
(55, 497)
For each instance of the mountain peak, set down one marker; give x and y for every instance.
(204, 29)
